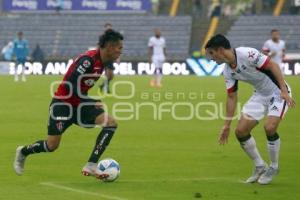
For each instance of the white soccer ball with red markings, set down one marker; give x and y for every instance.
(108, 170)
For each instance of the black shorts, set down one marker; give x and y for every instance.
(62, 115)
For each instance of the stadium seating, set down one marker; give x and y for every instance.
(253, 31)
(65, 35)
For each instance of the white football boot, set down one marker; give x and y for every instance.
(257, 172)
(19, 161)
(267, 176)
(89, 169)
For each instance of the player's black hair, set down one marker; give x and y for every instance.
(274, 30)
(218, 41)
(107, 24)
(109, 36)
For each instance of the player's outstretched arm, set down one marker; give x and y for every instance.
(279, 77)
(230, 109)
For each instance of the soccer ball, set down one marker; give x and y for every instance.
(107, 170)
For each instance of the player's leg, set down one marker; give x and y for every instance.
(158, 75)
(95, 115)
(153, 80)
(273, 146)
(48, 145)
(16, 70)
(55, 130)
(248, 144)
(252, 111)
(276, 111)
(109, 127)
(23, 70)
(281, 66)
(102, 141)
(273, 143)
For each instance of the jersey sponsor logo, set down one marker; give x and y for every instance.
(81, 69)
(251, 54)
(86, 63)
(61, 118)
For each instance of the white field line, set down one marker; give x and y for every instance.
(62, 187)
(181, 180)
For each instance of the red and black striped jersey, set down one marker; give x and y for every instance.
(80, 77)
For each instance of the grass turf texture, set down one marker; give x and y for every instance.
(159, 159)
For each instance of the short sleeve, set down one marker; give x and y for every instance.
(231, 84)
(257, 59)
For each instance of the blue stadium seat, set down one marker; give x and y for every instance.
(78, 32)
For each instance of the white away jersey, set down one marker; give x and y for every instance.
(250, 69)
(158, 45)
(278, 48)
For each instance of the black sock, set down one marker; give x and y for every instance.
(37, 147)
(273, 137)
(102, 142)
(244, 138)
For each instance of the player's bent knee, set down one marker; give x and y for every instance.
(270, 129)
(240, 132)
(52, 146)
(112, 122)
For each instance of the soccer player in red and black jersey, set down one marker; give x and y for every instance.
(71, 104)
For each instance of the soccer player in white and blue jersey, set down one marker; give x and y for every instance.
(271, 97)
(21, 51)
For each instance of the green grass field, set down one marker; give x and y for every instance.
(159, 159)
